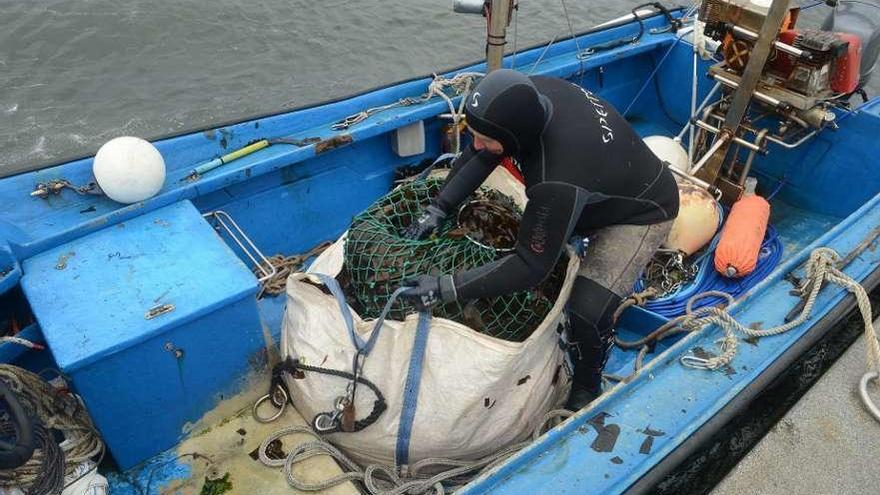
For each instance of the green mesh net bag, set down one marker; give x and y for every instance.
(378, 259)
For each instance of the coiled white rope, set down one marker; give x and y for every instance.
(821, 268)
(461, 84)
(422, 477)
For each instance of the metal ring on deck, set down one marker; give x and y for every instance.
(270, 397)
(863, 392)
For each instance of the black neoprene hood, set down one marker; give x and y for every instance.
(507, 107)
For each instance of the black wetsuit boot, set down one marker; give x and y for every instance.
(591, 314)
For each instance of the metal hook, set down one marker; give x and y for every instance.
(586, 53)
(349, 121)
(863, 393)
(325, 422)
(695, 362)
(279, 396)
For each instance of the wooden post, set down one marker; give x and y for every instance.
(499, 18)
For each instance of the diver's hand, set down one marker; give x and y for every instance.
(426, 224)
(427, 290)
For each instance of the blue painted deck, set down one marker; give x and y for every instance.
(291, 198)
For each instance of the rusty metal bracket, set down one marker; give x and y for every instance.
(747, 85)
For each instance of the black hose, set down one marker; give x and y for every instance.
(673, 22)
(660, 99)
(15, 455)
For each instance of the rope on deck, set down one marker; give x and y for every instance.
(53, 409)
(422, 477)
(821, 268)
(284, 266)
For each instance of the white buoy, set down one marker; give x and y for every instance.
(697, 220)
(669, 150)
(129, 169)
(698, 213)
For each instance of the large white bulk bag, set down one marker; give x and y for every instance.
(469, 394)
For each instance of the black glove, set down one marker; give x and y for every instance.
(428, 290)
(426, 224)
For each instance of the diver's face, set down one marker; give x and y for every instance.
(483, 142)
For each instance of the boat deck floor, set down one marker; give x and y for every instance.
(226, 437)
(220, 456)
(826, 443)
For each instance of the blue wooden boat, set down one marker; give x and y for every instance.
(152, 313)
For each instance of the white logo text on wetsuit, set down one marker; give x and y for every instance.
(607, 131)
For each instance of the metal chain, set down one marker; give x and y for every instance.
(668, 271)
(460, 83)
(327, 422)
(55, 186)
(365, 114)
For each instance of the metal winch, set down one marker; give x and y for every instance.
(779, 84)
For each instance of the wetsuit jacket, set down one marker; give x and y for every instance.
(586, 170)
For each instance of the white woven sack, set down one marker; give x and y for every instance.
(476, 394)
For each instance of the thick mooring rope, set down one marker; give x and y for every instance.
(54, 410)
(821, 268)
(385, 480)
(284, 266)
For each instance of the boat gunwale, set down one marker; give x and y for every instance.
(251, 167)
(726, 414)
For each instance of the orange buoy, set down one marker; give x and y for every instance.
(737, 252)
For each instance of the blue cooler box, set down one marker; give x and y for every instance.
(154, 320)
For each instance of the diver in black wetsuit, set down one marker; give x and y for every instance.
(587, 173)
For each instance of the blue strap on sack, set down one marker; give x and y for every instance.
(416, 360)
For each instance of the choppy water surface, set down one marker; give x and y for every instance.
(74, 74)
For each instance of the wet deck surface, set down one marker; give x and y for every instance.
(221, 456)
(826, 443)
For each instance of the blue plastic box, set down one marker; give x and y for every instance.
(144, 378)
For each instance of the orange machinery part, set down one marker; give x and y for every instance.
(845, 75)
(737, 252)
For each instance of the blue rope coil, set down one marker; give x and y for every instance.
(707, 279)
